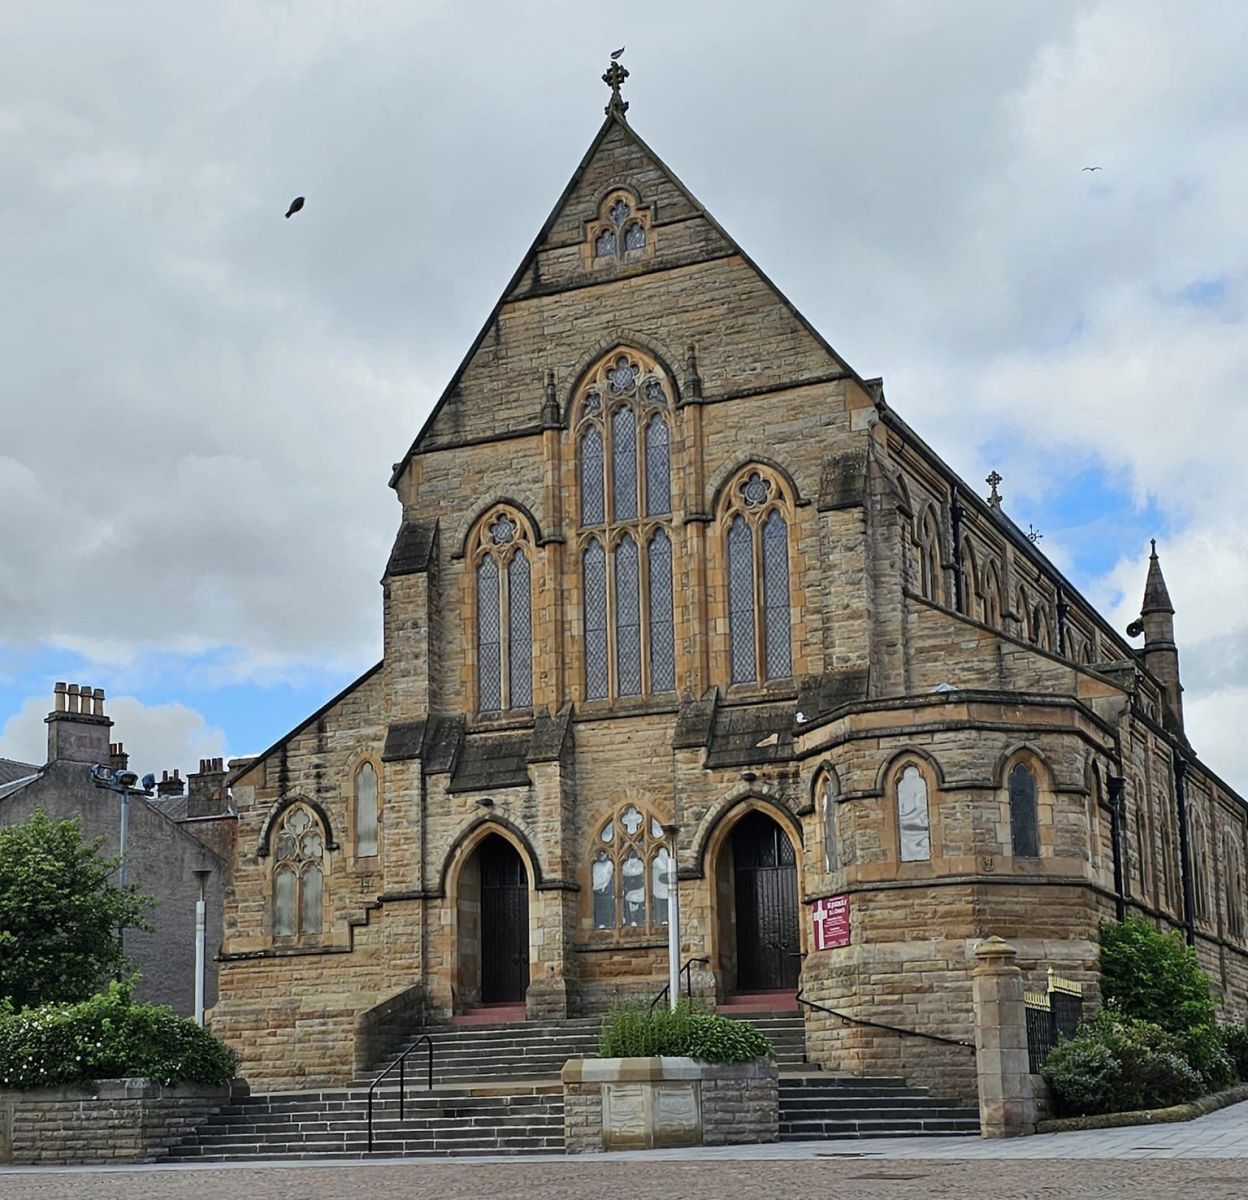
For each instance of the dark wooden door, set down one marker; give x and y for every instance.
(504, 923)
(766, 896)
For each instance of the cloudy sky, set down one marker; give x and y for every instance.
(201, 401)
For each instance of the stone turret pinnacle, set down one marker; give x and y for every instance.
(1156, 595)
(1161, 655)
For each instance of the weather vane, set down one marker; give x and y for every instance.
(1033, 535)
(615, 75)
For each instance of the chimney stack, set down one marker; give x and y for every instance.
(166, 787)
(118, 759)
(207, 789)
(77, 726)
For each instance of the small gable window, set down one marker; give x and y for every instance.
(298, 874)
(622, 230)
(914, 828)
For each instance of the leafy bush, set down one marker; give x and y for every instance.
(1153, 976)
(632, 1031)
(1118, 1064)
(1235, 1042)
(108, 1036)
(1206, 1053)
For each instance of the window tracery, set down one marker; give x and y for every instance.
(622, 422)
(622, 229)
(501, 555)
(298, 874)
(755, 519)
(630, 873)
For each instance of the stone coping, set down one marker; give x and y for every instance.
(654, 1070)
(126, 1089)
(1149, 1116)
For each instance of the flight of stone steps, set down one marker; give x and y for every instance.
(497, 1091)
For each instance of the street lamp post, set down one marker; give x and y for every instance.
(201, 934)
(121, 782)
(673, 919)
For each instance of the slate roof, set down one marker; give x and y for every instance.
(11, 770)
(492, 760)
(759, 733)
(413, 548)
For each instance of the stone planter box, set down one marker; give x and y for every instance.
(112, 1121)
(643, 1103)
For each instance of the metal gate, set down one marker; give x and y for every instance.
(504, 923)
(766, 899)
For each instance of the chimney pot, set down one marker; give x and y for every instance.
(73, 697)
(98, 696)
(59, 692)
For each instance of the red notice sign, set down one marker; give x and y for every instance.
(831, 917)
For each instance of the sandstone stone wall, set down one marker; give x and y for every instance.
(121, 1120)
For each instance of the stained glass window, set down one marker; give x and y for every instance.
(366, 811)
(630, 876)
(913, 825)
(624, 463)
(298, 880)
(605, 246)
(755, 490)
(597, 682)
(593, 511)
(602, 879)
(489, 638)
(1024, 830)
(658, 468)
(633, 885)
(628, 617)
(520, 629)
(654, 392)
(662, 634)
(660, 866)
(741, 601)
(634, 237)
(623, 375)
(776, 597)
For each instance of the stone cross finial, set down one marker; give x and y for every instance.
(995, 498)
(614, 77)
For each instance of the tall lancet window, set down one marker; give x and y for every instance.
(756, 518)
(622, 428)
(501, 550)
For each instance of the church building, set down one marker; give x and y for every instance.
(672, 578)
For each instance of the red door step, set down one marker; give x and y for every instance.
(491, 1014)
(777, 1001)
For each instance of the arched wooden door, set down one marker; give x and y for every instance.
(504, 923)
(765, 892)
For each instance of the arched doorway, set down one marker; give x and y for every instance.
(493, 906)
(764, 900)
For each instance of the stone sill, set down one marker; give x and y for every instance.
(1149, 1116)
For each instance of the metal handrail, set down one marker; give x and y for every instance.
(667, 987)
(401, 1063)
(931, 1037)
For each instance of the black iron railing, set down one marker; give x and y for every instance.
(401, 1064)
(667, 987)
(1052, 1015)
(931, 1037)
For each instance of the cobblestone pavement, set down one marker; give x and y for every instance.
(1206, 1159)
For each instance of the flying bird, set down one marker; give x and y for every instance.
(295, 205)
(1093, 168)
(616, 53)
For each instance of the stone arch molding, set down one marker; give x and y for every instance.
(279, 807)
(465, 527)
(474, 833)
(1017, 750)
(721, 817)
(722, 478)
(622, 340)
(909, 752)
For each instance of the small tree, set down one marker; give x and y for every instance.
(60, 913)
(1153, 976)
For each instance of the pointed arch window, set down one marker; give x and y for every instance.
(1024, 814)
(298, 874)
(914, 825)
(366, 811)
(928, 540)
(622, 421)
(755, 519)
(1234, 859)
(827, 791)
(1200, 866)
(992, 596)
(630, 873)
(502, 554)
(622, 229)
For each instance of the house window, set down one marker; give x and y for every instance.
(366, 811)
(501, 550)
(827, 791)
(621, 230)
(914, 829)
(1024, 827)
(630, 873)
(298, 874)
(755, 520)
(622, 420)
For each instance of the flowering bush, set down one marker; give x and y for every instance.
(108, 1036)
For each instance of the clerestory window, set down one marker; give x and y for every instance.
(622, 425)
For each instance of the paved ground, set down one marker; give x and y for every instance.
(1204, 1160)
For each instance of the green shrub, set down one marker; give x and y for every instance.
(1235, 1041)
(1118, 1064)
(1153, 976)
(1206, 1053)
(632, 1031)
(108, 1036)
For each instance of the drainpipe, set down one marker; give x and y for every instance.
(1185, 859)
(1116, 784)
